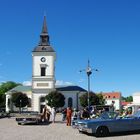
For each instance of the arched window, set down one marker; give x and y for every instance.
(42, 99)
(70, 102)
(29, 99)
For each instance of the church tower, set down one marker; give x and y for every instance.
(43, 69)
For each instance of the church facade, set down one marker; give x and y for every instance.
(43, 77)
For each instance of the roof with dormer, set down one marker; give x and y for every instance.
(112, 95)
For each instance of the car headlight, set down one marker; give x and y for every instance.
(86, 125)
(24, 119)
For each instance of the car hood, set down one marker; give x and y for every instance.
(89, 121)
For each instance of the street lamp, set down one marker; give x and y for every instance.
(89, 72)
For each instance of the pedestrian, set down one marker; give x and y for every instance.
(48, 113)
(43, 115)
(112, 107)
(64, 112)
(53, 114)
(85, 114)
(69, 115)
(74, 114)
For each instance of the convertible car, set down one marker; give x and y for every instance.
(109, 122)
(28, 118)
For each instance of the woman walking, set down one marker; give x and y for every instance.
(53, 114)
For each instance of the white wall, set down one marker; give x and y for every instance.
(117, 104)
(74, 96)
(47, 81)
(36, 101)
(136, 98)
(49, 65)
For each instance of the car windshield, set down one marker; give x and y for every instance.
(108, 115)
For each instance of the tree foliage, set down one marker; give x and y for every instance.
(2, 100)
(55, 99)
(94, 99)
(4, 87)
(20, 99)
(127, 99)
(101, 99)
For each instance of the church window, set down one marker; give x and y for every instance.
(42, 99)
(70, 102)
(29, 100)
(43, 71)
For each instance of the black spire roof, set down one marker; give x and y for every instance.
(44, 44)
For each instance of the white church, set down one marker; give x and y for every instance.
(43, 78)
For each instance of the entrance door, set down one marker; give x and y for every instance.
(42, 103)
(70, 102)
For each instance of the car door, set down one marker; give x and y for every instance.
(135, 123)
(120, 125)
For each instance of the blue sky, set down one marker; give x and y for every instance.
(105, 31)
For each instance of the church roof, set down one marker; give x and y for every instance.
(44, 44)
(20, 88)
(70, 88)
(43, 49)
(23, 89)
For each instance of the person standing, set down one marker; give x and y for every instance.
(53, 114)
(68, 116)
(64, 111)
(43, 115)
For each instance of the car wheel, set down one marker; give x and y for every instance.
(102, 131)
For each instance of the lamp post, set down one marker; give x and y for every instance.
(89, 72)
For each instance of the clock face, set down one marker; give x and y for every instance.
(43, 59)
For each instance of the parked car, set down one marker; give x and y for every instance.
(3, 114)
(109, 122)
(28, 118)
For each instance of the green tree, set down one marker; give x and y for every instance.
(93, 99)
(2, 100)
(127, 99)
(4, 87)
(101, 99)
(20, 99)
(55, 99)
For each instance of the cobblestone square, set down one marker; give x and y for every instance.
(10, 130)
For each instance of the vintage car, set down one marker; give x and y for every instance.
(109, 122)
(28, 118)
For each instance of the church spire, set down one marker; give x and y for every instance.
(44, 28)
(44, 37)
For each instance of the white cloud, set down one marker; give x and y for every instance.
(60, 83)
(27, 83)
(81, 80)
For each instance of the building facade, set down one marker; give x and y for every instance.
(43, 78)
(113, 97)
(43, 66)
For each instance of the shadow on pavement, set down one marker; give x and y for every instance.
(118, 133)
